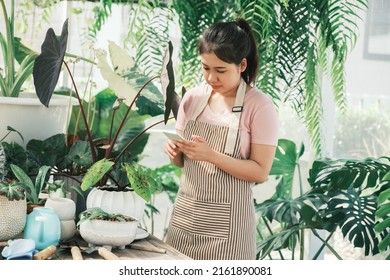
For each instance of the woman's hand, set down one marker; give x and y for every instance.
(198, 149)
(171, 149)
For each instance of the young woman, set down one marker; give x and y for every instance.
(231, 132)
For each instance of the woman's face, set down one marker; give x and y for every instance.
(223, 77)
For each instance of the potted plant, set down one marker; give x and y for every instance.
(115, 175)
(98, 227)
(33, 189)
(18, 109)
(12, 204)
(12, 79)
(343, 195)
(382, 215)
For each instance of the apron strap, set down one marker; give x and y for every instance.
(235, 118)
(207, 89)
(236, 114)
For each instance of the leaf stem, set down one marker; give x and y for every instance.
(91, 144)
(112, 143)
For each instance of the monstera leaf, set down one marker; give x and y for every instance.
(47, 66)
(353, 187)
(354, 213)
(301, 210)
(284, 165)
(345, 174)
(383, 214)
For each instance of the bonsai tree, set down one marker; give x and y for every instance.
(46, 72)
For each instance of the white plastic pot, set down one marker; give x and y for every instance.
(32, 119)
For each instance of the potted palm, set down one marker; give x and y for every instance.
(17, 69)
(111, 175)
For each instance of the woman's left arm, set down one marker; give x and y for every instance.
(255, 169)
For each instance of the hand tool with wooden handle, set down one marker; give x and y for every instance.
(147, 246)
(45, 253)
(76, 253)
(107, 255)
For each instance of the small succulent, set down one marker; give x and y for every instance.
(96, 213)
(13, 190)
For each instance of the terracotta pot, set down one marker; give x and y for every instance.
(30, 207)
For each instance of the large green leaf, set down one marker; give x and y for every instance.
(353, 188)
(95, 173)
(344, 174)
(40, 180)
(140, 181)
(15, 154)
(291, 212)
(80, 154)
(354, 213)
(50, 151)
(122, 62)
(48, 64)
(383, 214)
(285, 162)
(33, 189)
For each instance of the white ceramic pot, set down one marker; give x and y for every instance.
(68, 229)
(64, 207)
(108, 233)
(13, 216)
(126, 203)
(27, 115)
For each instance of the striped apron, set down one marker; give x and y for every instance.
(213, 215)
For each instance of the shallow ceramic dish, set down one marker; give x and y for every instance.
(108, 233)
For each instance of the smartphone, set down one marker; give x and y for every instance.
(173, 136)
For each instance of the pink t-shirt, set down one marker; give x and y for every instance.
(258, 124)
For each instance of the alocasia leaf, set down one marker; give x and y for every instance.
(122, 62)
(95, 173)
(141, 183)
(172, 100)
(47, 66)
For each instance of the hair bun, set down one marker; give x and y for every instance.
(243, 24)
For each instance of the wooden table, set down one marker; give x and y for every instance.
(63, 251)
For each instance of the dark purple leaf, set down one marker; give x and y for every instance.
(48, 64)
